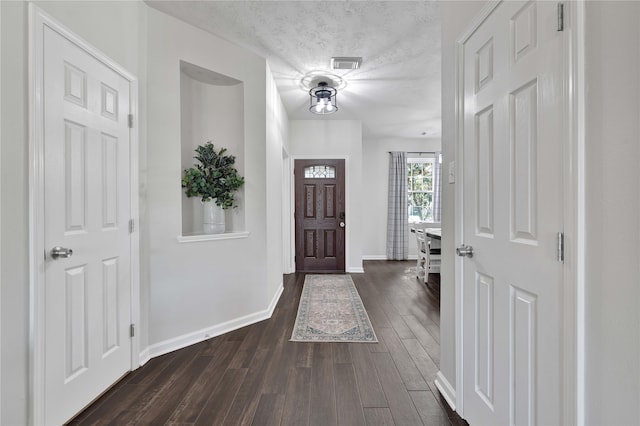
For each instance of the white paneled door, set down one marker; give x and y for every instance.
(512, 200)
(86, 182)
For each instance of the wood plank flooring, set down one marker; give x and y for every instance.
(255, 376)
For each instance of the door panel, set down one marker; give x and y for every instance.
(484, 172)
(319, 212)
(512, 141)
(86, 183)
(484, 338)
(524, 349)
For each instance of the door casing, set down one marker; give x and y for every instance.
(38, 19)
(573, 213)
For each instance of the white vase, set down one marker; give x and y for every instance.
(212, 218)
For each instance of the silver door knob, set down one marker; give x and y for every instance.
(341, 224)
(62, 252)
(463, 251)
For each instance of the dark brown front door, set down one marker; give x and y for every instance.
(320, 215)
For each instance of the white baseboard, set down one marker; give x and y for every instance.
(355, 270)
(192, 338)
(144, 357)
(446, 390)
(274, 300)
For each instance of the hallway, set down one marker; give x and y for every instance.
(254, 375)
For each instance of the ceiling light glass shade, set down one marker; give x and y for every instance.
(323, 99)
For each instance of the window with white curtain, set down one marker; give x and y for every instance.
(420, 189)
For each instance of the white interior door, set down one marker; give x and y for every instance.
(87, 210)
(512, 197)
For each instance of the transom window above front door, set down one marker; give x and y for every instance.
(320, 172)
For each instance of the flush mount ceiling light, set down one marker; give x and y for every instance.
(312, 78)
(322, 99)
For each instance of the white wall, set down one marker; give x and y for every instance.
(612, 287)
(201, 288)
(375, 173)
(118, 30)
(456, 16)
(337, 139)
(15, 278)
(277, 140)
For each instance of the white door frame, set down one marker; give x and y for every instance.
(288, 247)
(38, 20)
(573, 212)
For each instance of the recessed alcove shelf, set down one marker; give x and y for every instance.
(211, 109)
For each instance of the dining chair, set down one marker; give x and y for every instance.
(428, 257)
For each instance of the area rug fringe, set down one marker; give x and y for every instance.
(331, 310)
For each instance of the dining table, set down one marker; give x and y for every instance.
(435, 233)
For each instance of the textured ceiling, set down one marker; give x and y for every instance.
(396, 92)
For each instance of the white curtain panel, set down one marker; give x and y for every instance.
(437, 187)
(397, 219)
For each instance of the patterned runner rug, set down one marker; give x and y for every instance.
(331, 310)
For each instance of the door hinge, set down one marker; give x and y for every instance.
(131, 226)
(132, 330)
(560, 254)
(130, 120)
(560, 16)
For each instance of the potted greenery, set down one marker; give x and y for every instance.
(214, 181)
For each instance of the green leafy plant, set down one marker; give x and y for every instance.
(214, 178)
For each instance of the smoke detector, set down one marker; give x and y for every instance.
(345, 63)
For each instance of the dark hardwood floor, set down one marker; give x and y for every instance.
(254, 375)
